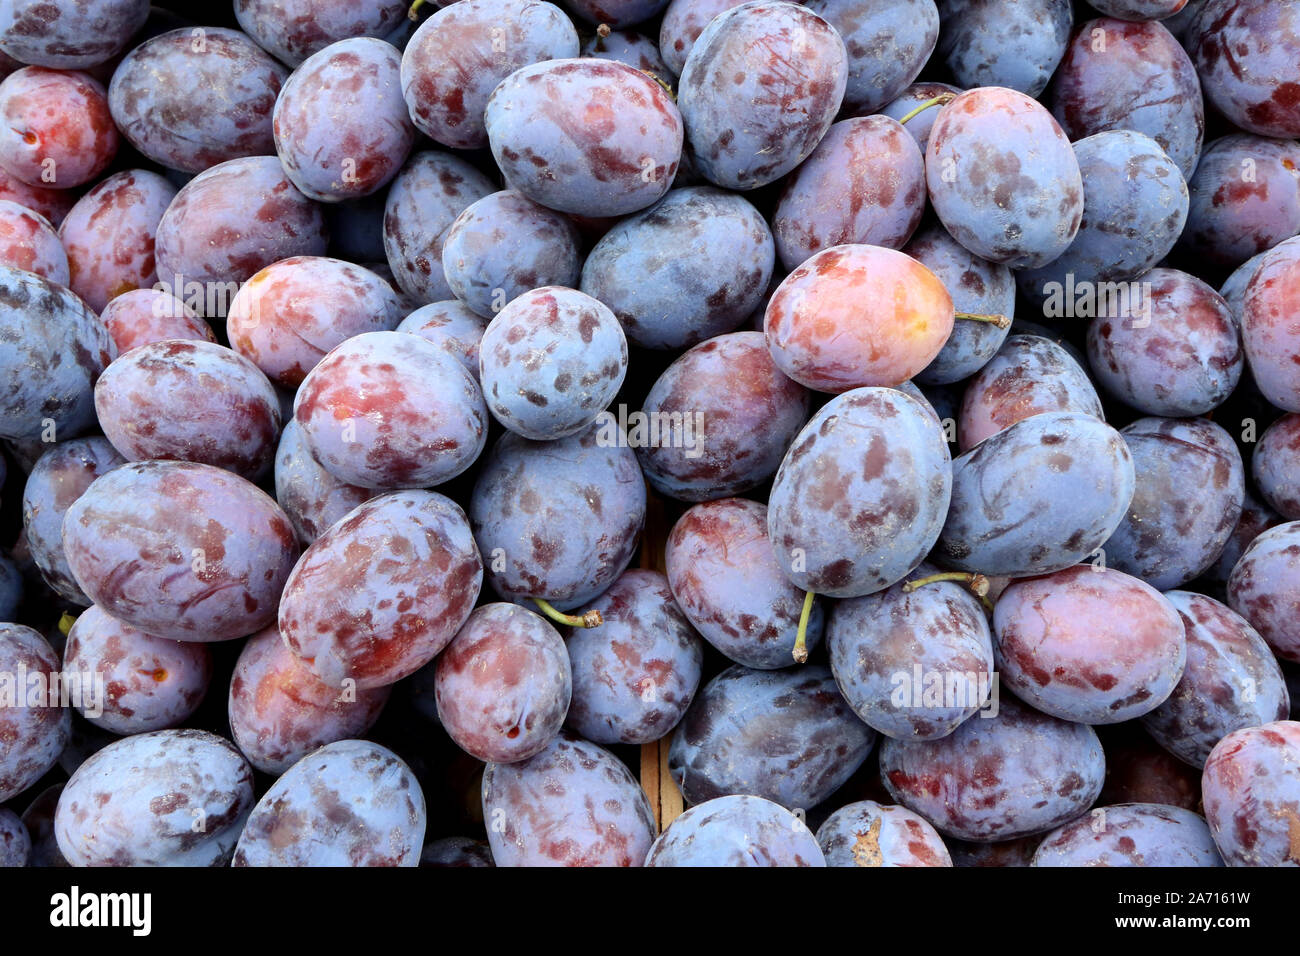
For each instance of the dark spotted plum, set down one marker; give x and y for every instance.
(391, 410)
(150, 683)
(1132, 834)
(1037, 497)
(738, 830)
(558, 520)
(977, 286)
(1000, 777)
(1003, 179)
(1189, 490)
(726, 579)
(1089, 644)
(864, 183)
(350, 803)
(912, 665)
(550, 362)
(760, 88)
(1135, 207)
(873, 834)
(860, 498)
(585, 136)
(280, 711)
(573, 804)
(635, 675)
(424, 199)
(180, 550)
(340, 124)
(692, 267)
(459, 55)
(738, 416)
(504, 245)
(166, 798)
(380, 593)
(787, 736)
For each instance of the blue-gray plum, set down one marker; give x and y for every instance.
(1131, 834)
(573, 804)
(726, 579)
(1190, 484)
(861, 496)
(786, 735)
(1231, 681)
(558, 520)
(350, 803)
(998, 777)
(689, 268)
(551, 361)
(739, 830)
(167, 798)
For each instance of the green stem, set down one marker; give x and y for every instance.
(943, 99)
(978, 584)
(1001, 321)
(414, 11)
(800, 652)
(590, 618)
(66, 622)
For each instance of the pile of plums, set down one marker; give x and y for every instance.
(885, 411)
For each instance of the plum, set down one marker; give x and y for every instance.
(166, 798)
(350, 803)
